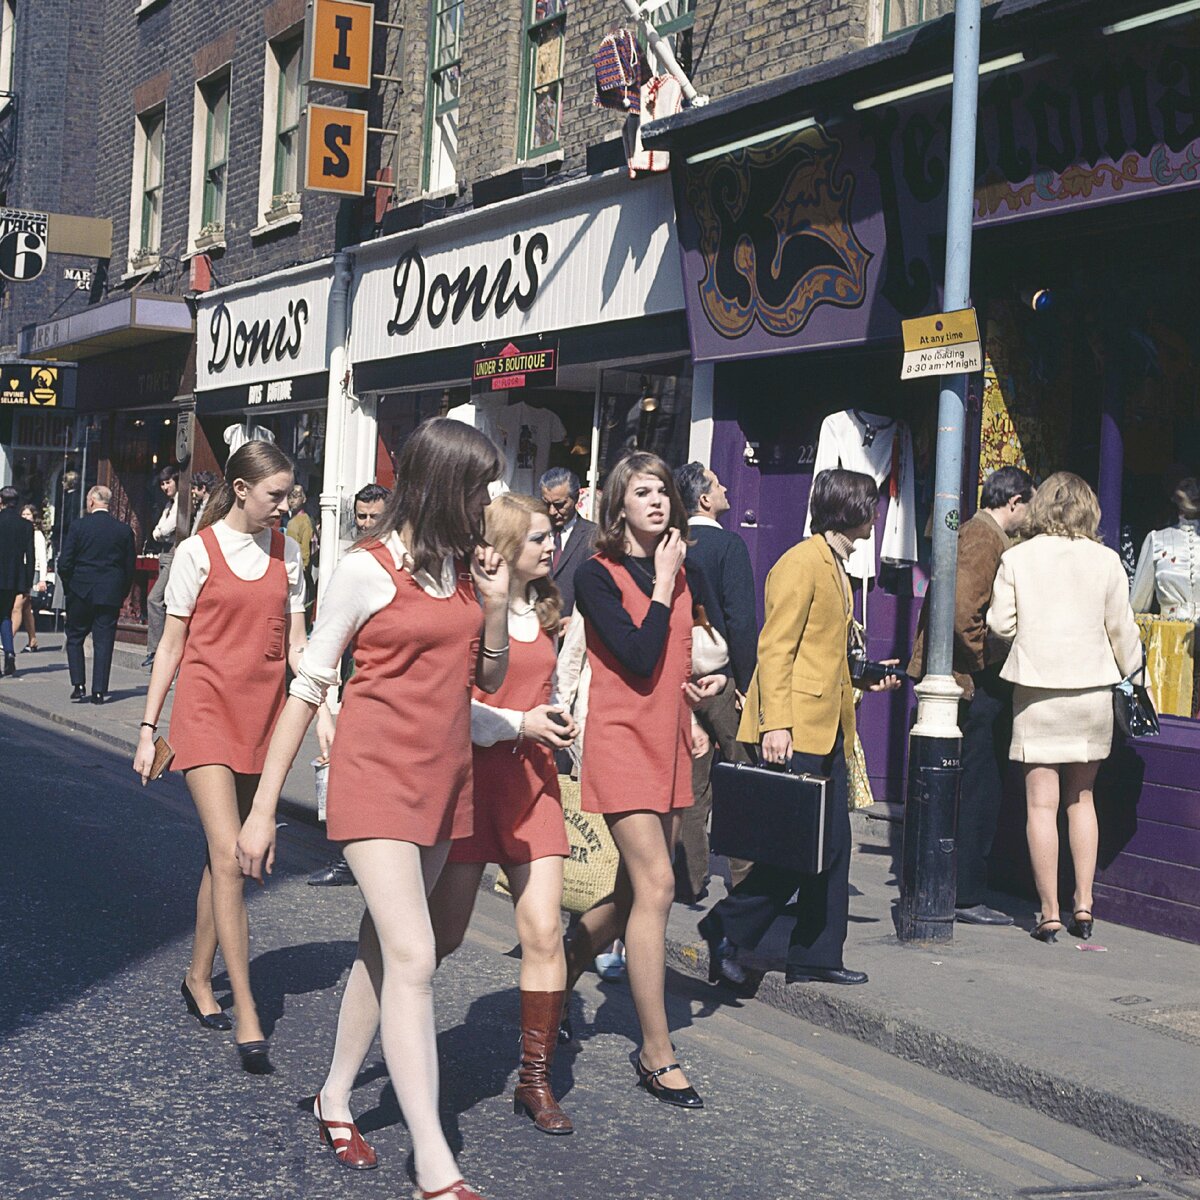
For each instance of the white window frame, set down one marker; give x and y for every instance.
(137, 190)
(200, 113)
(8, 46)
(269, 219)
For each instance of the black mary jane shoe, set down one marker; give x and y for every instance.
(79, 692)
(254, 1058)
(684, 1097)
(1047, 931)
(217, 1020)
(1080, 928)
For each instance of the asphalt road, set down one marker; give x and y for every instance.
(110, 1090)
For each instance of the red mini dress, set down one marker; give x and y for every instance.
(400, 767)
(230, 688)
(637, 756)
(518, 806)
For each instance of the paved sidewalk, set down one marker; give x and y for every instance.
(1107, 1040)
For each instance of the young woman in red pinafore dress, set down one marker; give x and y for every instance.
(400, 786)
(637, 608)
(518, 808)
(235, 620)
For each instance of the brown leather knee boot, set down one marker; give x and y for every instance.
(540, 1012)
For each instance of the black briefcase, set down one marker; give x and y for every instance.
(770, 815)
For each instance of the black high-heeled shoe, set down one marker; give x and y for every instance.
(1044, 933)
(254, 1058)
(1078, 928)
(684, 1097)
(217, 1020)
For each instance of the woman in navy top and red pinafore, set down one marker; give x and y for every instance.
(235, 620)
(400, 782)
(518, 809)
(638, 613)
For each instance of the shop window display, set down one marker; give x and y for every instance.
(645, 408)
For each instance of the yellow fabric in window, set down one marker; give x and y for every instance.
(1170, 663)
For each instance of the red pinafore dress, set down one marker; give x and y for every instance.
(518, 807)
(231, 684)
(400, 767)
(637, 755)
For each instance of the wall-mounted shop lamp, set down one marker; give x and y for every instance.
(1151, 18)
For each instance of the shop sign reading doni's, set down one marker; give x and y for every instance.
(263, 341)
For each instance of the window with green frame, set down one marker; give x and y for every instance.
(441, 107)
(899, 15)
(675, 21)
(152, 126)
(287, 118)
(542, 75)
(216, 150)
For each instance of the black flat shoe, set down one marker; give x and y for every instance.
(684, 1097)
(217, 1020)
(1047, 931)
(980, 914)
(79, 692)
(824, 975)
(1078, 928)
(334, 874)
(99, 697)
(254, 1058)
(723, 966)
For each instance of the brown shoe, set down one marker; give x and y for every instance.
(540, 1013)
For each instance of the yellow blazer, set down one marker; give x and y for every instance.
(802, 682)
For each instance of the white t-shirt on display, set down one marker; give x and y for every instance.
(523, 433)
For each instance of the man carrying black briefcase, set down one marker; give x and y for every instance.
(800, 710)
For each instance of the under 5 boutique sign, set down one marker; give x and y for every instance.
(509, 367)
(263, 330)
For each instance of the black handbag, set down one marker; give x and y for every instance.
(1133, 710)
(772, 816)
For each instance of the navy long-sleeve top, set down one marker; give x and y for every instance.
(637, 648)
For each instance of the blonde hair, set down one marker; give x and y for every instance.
(506, 524)
(1065, 506)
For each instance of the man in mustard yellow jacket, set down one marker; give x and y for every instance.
(800, 707)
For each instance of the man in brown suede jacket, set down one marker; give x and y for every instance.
(985, 713)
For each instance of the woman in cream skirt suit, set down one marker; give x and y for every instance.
(1062, 600)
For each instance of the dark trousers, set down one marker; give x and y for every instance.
(7, 600)
(823, 903)
(100, 620)
(986, 724)
(719, 718)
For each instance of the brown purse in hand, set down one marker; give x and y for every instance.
(162, 757)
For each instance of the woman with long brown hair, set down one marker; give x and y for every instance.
(637, 771)
(234, 623)
(518, 812)
(415, 598)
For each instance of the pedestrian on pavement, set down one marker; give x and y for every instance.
(163, 535)
(1062, 599)
(425, 602)
(574, 535)
(718, 565)
(235, 623)
(301, 530)
(368, 508)
(985, 711)
(96, 567)
(800, 709)
(23, 615)
(518, 811)
(17, 566)
(638, 608)
(203, 483)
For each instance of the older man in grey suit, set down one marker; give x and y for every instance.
(574, 537)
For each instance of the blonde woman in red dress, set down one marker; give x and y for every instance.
(426, 605)
(235, 621)
(518, 808)
(637, 757)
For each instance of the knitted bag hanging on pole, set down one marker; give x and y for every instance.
(619, 73)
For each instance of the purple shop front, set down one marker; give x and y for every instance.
(803, 252)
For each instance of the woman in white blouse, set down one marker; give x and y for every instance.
(23, 609)
(1062, 600)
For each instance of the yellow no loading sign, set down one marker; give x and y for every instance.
(945, 344)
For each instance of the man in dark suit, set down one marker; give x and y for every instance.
(574, 538)
(96, 566)
(719, 570)
(16, 568)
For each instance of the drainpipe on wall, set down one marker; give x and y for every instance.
(336, 417)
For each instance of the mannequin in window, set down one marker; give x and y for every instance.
(1168, 570)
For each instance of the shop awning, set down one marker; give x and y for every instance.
(132, 320)
(1032, 27)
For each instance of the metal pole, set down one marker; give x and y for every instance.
(661, 49)
(935, 745)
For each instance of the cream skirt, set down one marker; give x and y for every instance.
(1061, 726)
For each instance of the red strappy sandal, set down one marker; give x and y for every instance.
(458, 1190)
(349, 1148)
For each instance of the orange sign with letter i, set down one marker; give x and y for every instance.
(342, 36)
(335, 150)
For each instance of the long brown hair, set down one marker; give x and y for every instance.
(611, 540)
(442, 464)
(251, 463)
(507, 521)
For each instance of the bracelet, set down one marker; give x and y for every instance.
(520, 734)
(148, 725)
(488, 652)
